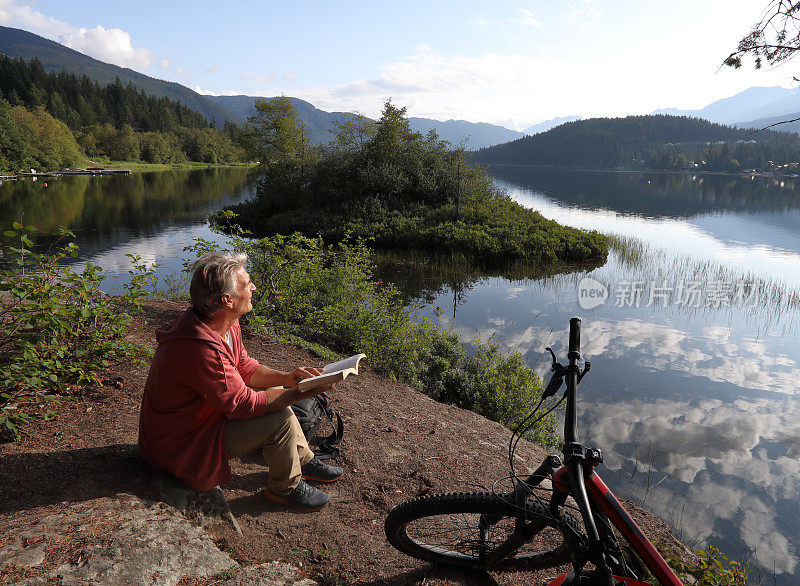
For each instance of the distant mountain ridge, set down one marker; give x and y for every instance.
(17, 43)
(319, 122)
(755, 107)
(473, 135)
(548, 124)
(751, 104)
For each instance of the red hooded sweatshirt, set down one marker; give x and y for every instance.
(196, 383)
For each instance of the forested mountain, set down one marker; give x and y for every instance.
(47, 119)
(79, 101)
(320, 123)
(647, 142)
(56, 58)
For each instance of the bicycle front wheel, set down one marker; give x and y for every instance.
(461, 529)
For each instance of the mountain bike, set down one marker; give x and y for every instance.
(528, 527)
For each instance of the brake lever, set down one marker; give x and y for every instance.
(557, 379)
(587, 366)
(553, 365)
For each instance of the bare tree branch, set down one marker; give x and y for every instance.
(771, 125)
(774, 39)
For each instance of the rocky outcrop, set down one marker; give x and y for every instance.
(203, 507)
(130, 541)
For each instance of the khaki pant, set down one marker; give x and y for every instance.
(281, 441)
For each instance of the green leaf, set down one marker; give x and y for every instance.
(9, 233)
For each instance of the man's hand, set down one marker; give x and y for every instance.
(318, 390)
(300, 373)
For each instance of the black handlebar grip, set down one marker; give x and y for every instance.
(575, 334)
(552, 387)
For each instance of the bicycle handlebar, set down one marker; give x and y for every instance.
(571, 375)
(575, 334)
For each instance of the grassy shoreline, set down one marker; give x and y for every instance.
(742, 173)
(140, 167)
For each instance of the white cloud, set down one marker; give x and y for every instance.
(250, 78)
(110, 45)
(29, 19)
(443, 86)
(206, 92)
(182, 74)
(212, 69)
(527, 18)
(582, 17)
(749, 363)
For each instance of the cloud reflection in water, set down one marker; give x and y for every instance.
(729, 460)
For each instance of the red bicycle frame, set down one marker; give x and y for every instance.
(602, 497)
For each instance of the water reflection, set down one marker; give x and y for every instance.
(422, 278)
(672, 195)
(699, 418)
(759, 234)
(142, 213)
(696, 409)
(724, 462)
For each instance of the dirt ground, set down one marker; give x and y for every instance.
(398, 444)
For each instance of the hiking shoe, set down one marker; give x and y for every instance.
(303, 498)
(319, 471)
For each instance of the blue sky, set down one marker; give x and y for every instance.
(510, 63)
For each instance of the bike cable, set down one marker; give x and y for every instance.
(515, 437)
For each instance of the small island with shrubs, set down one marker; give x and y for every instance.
(381, 182)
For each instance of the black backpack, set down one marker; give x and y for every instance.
(309, 413)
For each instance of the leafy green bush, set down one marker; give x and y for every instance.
(58, 330)
(327, 294)
(711, 568)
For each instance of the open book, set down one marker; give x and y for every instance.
(333, 373)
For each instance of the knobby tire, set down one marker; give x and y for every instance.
(446, 529)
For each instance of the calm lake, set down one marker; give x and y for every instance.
(692, 329)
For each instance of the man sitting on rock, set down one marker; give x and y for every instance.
(200, 408)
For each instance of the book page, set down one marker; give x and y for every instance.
(345, 363)
(334, 372)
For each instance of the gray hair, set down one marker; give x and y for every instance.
(214, 276)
